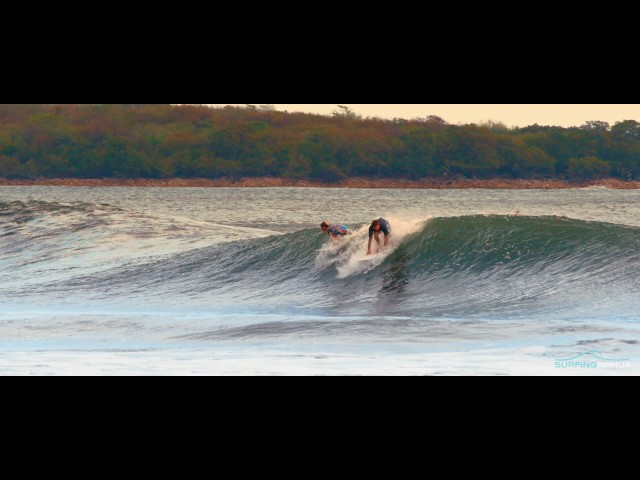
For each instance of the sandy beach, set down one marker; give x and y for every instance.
(441, 183)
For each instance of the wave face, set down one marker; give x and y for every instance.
(476, 266)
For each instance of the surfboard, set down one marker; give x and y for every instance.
(369, 263)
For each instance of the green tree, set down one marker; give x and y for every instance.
(299, 166)
(9, 167)
(588, 167)
(416, 159)
(345, 112)
(596, 126)
(625, 149)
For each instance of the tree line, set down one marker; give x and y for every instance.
(189, 141)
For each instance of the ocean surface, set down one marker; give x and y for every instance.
(225, 281)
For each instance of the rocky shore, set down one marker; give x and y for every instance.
(429, 183)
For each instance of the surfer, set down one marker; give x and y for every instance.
(336, 232)
(377, 226)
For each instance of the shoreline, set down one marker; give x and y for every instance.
(266, 182)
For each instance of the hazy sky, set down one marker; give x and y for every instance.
(511, 115)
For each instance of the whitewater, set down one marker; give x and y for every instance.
(242, 281)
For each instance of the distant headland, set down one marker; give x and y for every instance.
(257, 146)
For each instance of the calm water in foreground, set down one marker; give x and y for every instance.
(224, 281)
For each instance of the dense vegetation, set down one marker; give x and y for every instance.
(161, 141)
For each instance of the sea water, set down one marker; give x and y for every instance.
(233, 281)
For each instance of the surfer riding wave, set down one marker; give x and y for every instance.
(336, 231)
(377, 226)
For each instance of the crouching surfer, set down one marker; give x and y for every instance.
(336, 232)
(377, 226)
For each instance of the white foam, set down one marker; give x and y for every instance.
(350, 255)
(228, 360)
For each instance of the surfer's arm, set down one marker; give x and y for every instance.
(369, 245)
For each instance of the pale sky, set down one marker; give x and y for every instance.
(563, 115)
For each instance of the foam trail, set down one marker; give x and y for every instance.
(350, 258)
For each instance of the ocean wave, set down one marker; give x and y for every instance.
(489, 266)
